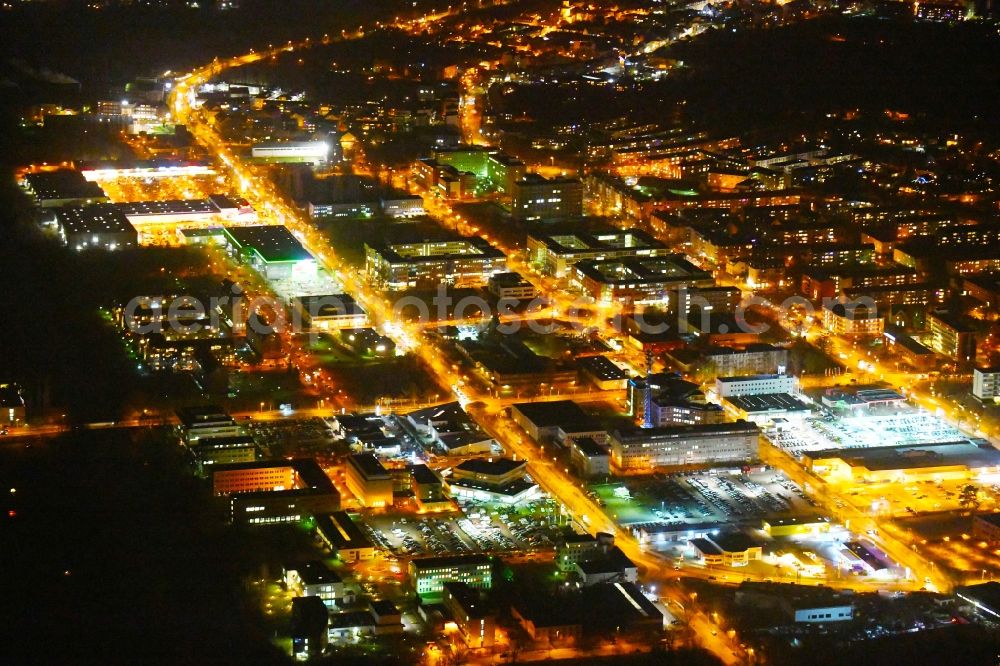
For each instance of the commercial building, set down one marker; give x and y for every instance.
(729, 549)
(727, 387)
(206, 421)
(224, 450)
(959, 460)
(272, 251)
(824, 614)
(450, 430)
(269, 492)
(503, 171)
(475, 620)
(315, 579)
(499, 480)
(428, 488)
(458, 261)
(764, 408)
(556, 253)
(343, 537)
(312, 152)
(664, 399)
(638, 280)
(535, 198)
(909, 349)
(370, 482)
(429, 574)
(328, 312)
(101, 226)
(951, 337)
(511, 285)
(795, 525)
(602, 372)
(986, 383)
(63, 187)
(643, 449)
(556, 421)
(588, 457)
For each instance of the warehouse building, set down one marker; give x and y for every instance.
(272, 251)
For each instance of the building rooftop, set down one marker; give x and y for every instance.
(202, 415)
(168, 207)
(94, 219)
(491, 466)
(602, 368)
(768, 402)
(424, 563)
(582, 242)
(329, 305)
(315, 572)
(369, 466)
(914, 456)
(554, 413)
(635, 434)
(308, 470)
(655, 270)
(341, 531)
(588, 447)
(63, 184)
(271, 242)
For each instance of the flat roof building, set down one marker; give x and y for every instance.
(343, 537)
(947, 460)
(276, 491)
(534, 198)
(101, 226)
(63, 187)
(272, 250)
(429, 574)
(555, 254)
(644, 449)
(638, 280)
(556, 420)
(370, 482)
(459, 261)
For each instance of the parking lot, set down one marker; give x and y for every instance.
(480, 529)
(901, 426)
(698, 497)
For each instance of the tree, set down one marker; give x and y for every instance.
(969, 497)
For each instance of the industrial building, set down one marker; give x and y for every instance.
(643, 449)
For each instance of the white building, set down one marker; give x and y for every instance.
(822, 614)
(755, 385)
(986, 383)
(291, 151)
